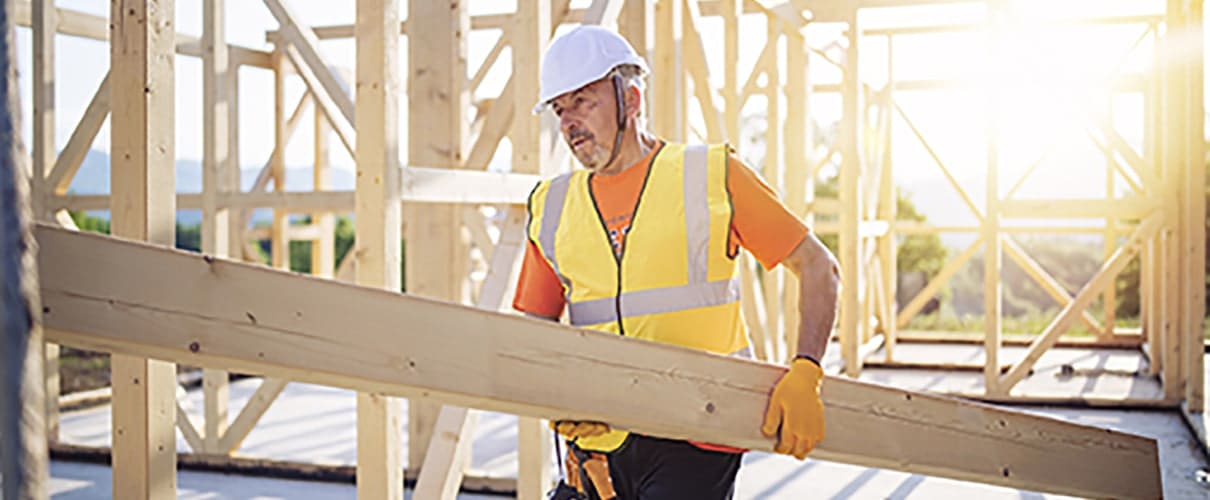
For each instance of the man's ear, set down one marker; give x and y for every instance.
(634, 98)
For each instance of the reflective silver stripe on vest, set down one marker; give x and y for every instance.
(552, 212)
(697, 213)
(655, 301)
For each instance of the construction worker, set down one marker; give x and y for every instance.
(643, 242)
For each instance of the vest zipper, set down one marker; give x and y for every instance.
(617, 257)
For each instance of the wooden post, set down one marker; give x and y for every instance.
(279, 240)
(45, 23)
(1110, 302)
(731, 12)
(773, 282)
(798, 168)
(668, 75)
(1194, 184)
(530, 35)
(888, 210)
(143, 207)
(216, 178)
(438, 92)
(377, 239)
(637, 23)
(1176, 121)
(991, 219)
(850, 172)
(323, 248)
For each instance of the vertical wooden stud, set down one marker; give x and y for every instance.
(45, 23)
(143, 206)
(992, 255)
(850, 172)
(531, 142)
(797, 167)
(1194, 184)
(438, 92)
(216, 180)
(668, 76)
(377, 212)
(323, 248)
(279, 245)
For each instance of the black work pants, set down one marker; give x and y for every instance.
(648, 468)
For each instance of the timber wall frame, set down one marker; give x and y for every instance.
(446, 194)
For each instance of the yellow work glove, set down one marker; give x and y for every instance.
(795, 409)
(572, 429)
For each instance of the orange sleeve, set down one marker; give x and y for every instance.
(539, 291)
(760, 222)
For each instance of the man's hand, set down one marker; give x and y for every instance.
(572, 429)
(795, 407)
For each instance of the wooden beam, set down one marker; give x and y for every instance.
(667, 81)
(698, 66)
(1093, 208)
(116, 295)
(72, 156)
(1104, 277)
(1049, 284)
(531, 143)
(917, 303)
(850, 196)
(220, 173)
(438, 91)
(142, 183)
(279, 239)
(440, 185)
(43, 147)
(449, 451)
(1193, 216)
(377, 239)
(44, 24)
(323, 245)
(993, 255)
(83, 25)
(250, 414)
(300, 36)
(448, 455)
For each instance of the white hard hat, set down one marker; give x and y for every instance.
(582, 56)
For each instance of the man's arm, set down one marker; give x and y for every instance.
(818, 288)
(795, 413)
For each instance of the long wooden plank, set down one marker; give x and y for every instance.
(125, 296)
(44, 25)
(142, 184)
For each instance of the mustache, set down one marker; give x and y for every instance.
(578, 134)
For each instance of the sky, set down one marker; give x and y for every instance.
(1047, 82)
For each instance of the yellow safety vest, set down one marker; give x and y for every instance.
(674, 281)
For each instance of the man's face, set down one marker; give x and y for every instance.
(588, 122)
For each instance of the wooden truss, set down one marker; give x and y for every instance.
(125, 297)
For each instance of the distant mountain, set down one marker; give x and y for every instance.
(93, 178)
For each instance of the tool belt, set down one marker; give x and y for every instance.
(586, 476)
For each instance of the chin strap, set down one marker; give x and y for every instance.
(617, 138)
